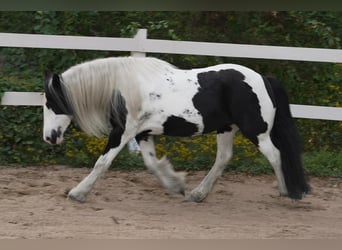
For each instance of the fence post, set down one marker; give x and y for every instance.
(141, 35)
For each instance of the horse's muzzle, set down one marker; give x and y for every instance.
(55, 137)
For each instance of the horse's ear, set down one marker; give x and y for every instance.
(55, 78)
(47, 75)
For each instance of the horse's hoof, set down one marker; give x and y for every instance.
(197, 196)
(76, 197)
(175, 185)
(283, 194)
(176, 190)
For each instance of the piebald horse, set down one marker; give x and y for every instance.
(126, 98)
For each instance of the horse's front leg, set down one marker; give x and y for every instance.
(116, 142)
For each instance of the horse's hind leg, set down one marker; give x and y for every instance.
(224, 154)
(171, 180)
(272, 154)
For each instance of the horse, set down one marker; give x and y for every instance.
(125, 98)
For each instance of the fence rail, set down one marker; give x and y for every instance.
(302, 111)
(140, 44)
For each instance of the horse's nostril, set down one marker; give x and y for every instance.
(47, 138)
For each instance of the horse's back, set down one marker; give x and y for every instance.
(209, 99)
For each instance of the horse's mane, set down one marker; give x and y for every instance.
(92, 89)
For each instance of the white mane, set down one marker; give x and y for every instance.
(92, 89)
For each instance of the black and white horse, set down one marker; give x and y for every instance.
(125, 98)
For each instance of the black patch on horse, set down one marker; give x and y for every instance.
(209, 101)
(178, 126)
(118, 124)
(54, 135)
(224, 98)
(154, 96)
(143, 136)
(55, 98)
(222, 130)
(119, 119)
(269, 89)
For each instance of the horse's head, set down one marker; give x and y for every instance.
(57, 115)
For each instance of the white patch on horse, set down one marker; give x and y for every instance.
(54, 126)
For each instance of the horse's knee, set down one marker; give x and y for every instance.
(224, 157)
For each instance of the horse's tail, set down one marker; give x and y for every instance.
(285, 136)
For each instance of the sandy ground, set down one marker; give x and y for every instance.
(133, 205)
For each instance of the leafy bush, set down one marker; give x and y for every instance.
(324, 163)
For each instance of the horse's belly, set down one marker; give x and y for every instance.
(186, 123)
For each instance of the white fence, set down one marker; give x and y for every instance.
(139, 45)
